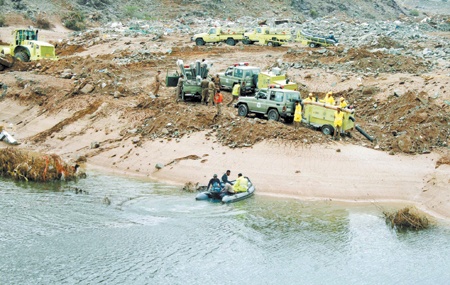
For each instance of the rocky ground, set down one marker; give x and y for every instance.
(396, 74)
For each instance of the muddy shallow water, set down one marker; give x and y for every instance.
(151, 233)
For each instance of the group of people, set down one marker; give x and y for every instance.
(226, 186)
(328, 100)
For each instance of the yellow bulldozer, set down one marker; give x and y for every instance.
(26, 46)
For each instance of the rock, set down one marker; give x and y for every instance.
(165, 131)
(95, 145)
(405, 144)
(88, 88)
(159, 166)
(135, 140)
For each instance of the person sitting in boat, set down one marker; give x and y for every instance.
(240, 185)
(214, 183)
(225, 180)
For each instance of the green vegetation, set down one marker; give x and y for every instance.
(2, 2)
(2, 21)
(414, 13)
(131, 11)
(313, 13)
(74, 21)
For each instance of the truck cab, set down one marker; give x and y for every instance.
(242, 72)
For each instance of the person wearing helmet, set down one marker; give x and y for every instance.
(342, 103)
(214, 183)
(329, 100)
(338, 118)
(310, 98)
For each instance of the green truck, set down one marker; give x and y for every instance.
(193, 74)
(240, 72)
(230, 36)
(273, 103)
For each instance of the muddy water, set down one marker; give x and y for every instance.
(155, 234)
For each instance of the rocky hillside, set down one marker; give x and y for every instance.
(92, 11)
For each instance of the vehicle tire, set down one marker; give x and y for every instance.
(312, 45)
(1, 67)
(273, 115)
(22, 56)
(231, 42)
(243, 110)
(327, 130)
(246, 42)
(270, 44)
(200, 42)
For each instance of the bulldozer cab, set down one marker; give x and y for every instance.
(25, 35)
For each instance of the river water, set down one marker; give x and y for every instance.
(152, 233)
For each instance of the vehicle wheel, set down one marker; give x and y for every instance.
(231, 42)
(273, 115)
(312, 45)
(243, 110)
(22, 56)
(246, 42)
(1, 67)
(327, 130)
(200, 42)
(270, 44)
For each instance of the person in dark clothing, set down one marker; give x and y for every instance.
(225, 178)
(214, 183)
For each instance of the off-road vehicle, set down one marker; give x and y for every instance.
(273, 103)
(243, 72)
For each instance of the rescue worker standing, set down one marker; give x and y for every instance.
(204, 86)
(218, 99)
(297, 114)
(179, 87)
(217, 82)
(329, 100)
(338, 118)
(157, 83)
(211, 89)
(343, 104)
(235, 93)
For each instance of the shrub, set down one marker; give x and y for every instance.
(2, 21)
(131, 11)
(74, 21)
(313, 13)
(414, 13)
(407, 218)
(43, 23)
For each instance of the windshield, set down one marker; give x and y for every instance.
(292, 96)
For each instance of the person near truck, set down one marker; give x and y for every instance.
(329, 99)
(235, 93)
(242, 91)
(310, 98)
(157, 83)
(342, 103)
(217, 82)
(338, 118)
(218, 99)
(179, 87)
(212, 91)
(204, 85)
(297, 114)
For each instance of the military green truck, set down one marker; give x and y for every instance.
(267, 36)
(193, 74)
(243, 72)
(273, 103)
(230, 36)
